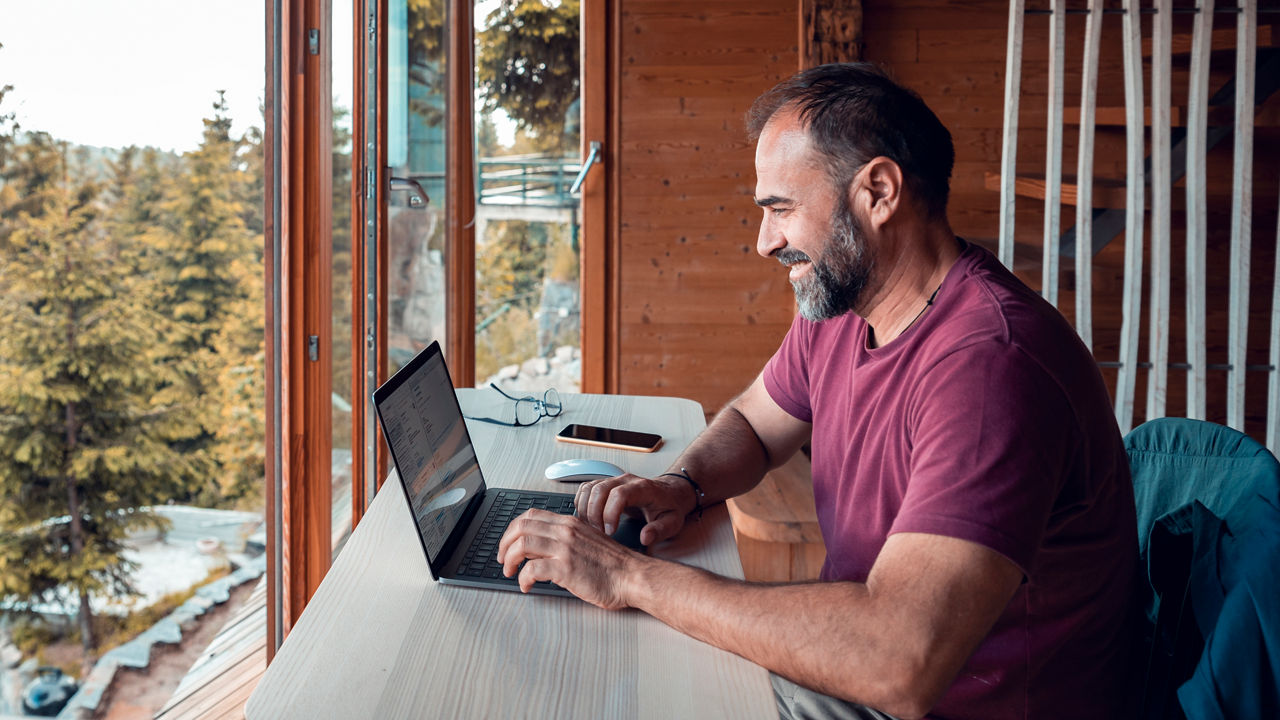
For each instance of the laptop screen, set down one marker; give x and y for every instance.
(430, 446)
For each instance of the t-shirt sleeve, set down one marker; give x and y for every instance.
(786, 375)
(992, 435)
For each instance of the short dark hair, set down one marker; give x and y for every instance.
(854, 112)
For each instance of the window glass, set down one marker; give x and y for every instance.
(527, 220)
(416, 275)
(131, 362)
(342, 94)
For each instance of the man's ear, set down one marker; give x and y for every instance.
(876, 191)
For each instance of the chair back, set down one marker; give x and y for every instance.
(1176, 460)
(1188, 477)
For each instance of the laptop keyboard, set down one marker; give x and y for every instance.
(481, 558)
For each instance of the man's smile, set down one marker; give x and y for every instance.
(798, 269)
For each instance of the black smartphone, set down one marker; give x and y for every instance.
(610, 437)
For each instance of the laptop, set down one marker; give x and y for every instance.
(459, 519)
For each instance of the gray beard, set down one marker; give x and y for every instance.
(840, 277)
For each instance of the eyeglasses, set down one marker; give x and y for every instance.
(529, 409)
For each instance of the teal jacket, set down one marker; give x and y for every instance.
(1208, 501)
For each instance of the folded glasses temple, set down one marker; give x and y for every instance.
(528, 398)
(510, 397)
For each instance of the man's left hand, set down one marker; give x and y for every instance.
(570, 553)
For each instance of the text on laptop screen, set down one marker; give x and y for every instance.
(434, 457)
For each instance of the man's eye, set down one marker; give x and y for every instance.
(778, 210)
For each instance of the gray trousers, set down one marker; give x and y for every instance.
(799, 703)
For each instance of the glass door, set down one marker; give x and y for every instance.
(417, 202)
(471, 226)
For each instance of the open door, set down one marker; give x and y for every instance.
(482, 216)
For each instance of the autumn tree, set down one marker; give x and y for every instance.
(528, 65)
(205, 267)
(83, 442)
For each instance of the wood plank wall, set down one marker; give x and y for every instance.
(701, 312)
(953, 53)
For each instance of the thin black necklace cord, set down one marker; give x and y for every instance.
(927, 304)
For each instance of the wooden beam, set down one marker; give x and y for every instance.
(1009, 141)
(460, 193)
(1053, 151)
(830, 31)
(1241, 212)
(599, 272)
(1197, 211)
(613, 322)
(1103, 193)
(1161, 211)
(301, 437)
(1223, 39)
(1131, 306)
(363, 237)
(274, 225)
(1084, 169)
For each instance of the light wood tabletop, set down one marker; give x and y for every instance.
(381, 639)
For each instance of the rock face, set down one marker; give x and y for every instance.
(562, 370)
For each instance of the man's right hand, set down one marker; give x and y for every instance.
(664, 500)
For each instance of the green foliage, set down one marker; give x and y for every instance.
(513, 261)
(81, 420)
(528, 65)
(29, 635)
(33, 167)
(509, 338)
(131, 365)
(426, 26)
(509, 263)
(200, 264)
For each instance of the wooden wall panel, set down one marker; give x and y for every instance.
(952, 53)
(700, 312)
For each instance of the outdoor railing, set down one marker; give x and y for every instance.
(527, 180)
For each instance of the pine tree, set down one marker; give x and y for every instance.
(209, 234)
(206, 274)
(33, 166)
(82, 436)
(140, 221)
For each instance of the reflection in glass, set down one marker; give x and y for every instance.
(416, 252)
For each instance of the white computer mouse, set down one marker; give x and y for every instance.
(582, 470)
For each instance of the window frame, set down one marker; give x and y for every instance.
(298, 238)
(298, 140)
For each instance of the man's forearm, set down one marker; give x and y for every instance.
(727, 459)
(806, 632)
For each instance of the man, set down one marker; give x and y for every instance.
(970, 480)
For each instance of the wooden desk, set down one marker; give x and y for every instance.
(381, 639)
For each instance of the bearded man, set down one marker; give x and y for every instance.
(970, 481)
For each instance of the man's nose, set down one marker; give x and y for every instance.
(770, 239)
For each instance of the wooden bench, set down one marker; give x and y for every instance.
(776, 526)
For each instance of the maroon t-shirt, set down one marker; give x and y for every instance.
(987, 420)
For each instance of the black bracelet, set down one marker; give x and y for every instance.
(698, 495)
